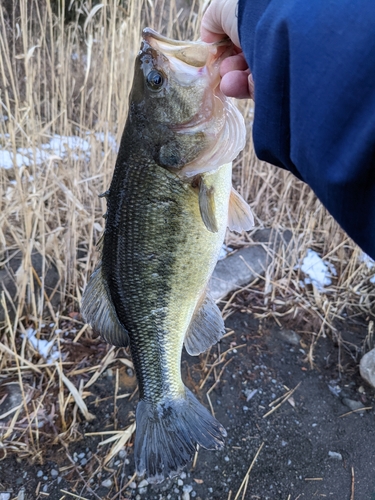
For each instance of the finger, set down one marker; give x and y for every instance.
(236, 84)
(233, 63)
(211, 28)
(210, 37)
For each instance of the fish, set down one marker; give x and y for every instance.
(168, 206)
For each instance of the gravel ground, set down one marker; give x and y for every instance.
(319, 443)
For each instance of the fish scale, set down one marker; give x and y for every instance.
(145, 233)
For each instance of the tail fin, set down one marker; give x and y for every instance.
(168, 433)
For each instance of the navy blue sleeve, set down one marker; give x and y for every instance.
(313, 64)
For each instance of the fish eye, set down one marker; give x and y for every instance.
(155, 80)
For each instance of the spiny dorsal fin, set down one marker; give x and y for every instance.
(240, 216)
(105, 194)
(97, 309)
(206, 327)
(207, 206)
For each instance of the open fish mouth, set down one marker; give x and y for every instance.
(190, 60)
(192, 53)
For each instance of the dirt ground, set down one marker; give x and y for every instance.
(319, 443)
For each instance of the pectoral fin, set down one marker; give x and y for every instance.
(98, 310)
(207, 206)
(240, 217)
(206, 327)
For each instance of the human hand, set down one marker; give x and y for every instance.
(221, 19)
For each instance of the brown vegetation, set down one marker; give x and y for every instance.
(72, 78)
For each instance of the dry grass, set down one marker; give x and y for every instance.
(72, 79)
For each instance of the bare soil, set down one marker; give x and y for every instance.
(315, 445)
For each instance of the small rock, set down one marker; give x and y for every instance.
(353, 405)
(83, 461)
(40, 473)
(289, 336)
(183, 475)
(143, 483)
(122, 454)
(107, 483)
(250, 394)
(367, 367)
(335, 455)
(4, 495)
(54, 473)
(81, 455)
(226, 459)
(335, 390)
(188, 488)
(133, 485)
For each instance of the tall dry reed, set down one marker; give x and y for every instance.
(64, 82)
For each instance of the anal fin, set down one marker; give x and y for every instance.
(98, 310)
(240, 216)
(206, 327)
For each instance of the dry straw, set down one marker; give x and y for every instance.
(65, 71)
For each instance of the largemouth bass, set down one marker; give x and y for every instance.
(169, 203)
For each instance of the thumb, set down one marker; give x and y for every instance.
(211, 28)
(220, 19)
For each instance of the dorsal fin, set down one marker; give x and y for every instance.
(240, 216)
(98, 310)
(206, 327)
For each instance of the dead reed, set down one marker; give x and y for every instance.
(63, 97)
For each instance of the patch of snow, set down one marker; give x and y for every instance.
(59, 146)
(100, 136)
(46, 349)
(318, 272)
(370, 263)
(224, 252)
(8, 160)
